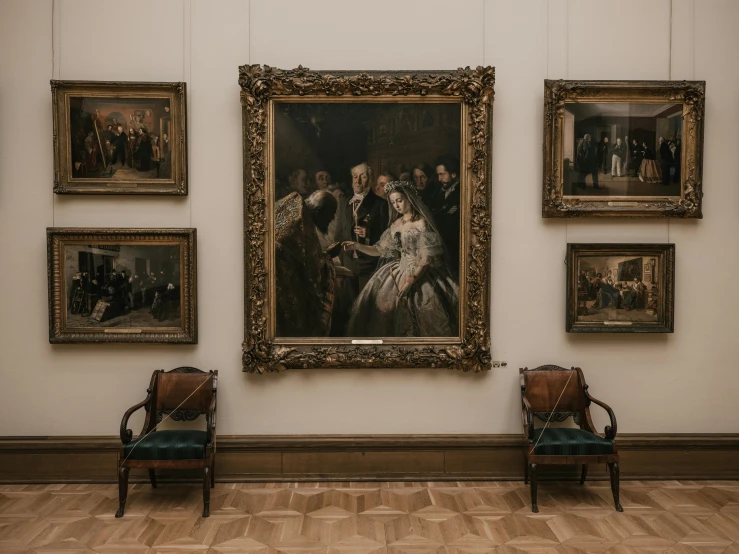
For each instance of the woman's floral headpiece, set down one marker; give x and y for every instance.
(400, 186)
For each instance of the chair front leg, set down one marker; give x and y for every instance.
(153, 478)
(213, 471)
(534, 505)
(206, 491)
(584, 473)
(614, 471)
(122, 490)
(525, 472)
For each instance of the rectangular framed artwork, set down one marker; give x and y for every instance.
(119, 137)
(623, 148)
(366, 218)
(620, 288)
(122, 285)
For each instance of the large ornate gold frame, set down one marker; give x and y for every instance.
(688, 205)
(64, 183)
(261, 87)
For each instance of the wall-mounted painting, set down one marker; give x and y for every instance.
(367, 218)
(122, 285)
(620, 288)
(623, 148)
(119, 138)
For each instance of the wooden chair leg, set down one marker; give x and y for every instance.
(206, 491)
(584, 473)
(526, 472)
(614, 471)
(122, 490)
(534, 506)
(153, 478)
(213, 471)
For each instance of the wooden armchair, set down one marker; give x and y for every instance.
(552, 393)
(184, 393)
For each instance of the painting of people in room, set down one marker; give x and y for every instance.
(622, 149)
(119, 285)
(121, 139)
(367, 219)
(618, 288)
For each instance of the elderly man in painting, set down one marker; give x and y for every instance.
(423, 177)
(339, 227)
(323, 206)
(366, 217)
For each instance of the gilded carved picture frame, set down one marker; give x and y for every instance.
(652, 166)
(120, 137)
(620, 288)
(290, 115)
(122, 285)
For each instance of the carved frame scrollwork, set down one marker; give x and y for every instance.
(261, 86)
(65, 183)
(691, 94)
(60, 332)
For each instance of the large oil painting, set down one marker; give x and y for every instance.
(119, 138)
(623, 148)
(366, 192)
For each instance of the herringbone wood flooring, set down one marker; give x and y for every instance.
(356, 518)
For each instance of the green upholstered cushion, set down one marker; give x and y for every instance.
(570, 442)
(168, 445)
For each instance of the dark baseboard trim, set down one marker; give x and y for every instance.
(243, 458)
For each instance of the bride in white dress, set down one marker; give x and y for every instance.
(413, 293)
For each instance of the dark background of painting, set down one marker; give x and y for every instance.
(630, 269)
(337, 136)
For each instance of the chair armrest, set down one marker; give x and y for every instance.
(610, 430)
(528, 418)
(127, 434)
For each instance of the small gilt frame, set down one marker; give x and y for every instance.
(172, 96)
(620, 300)
(472, 89)
(557, 202)
(102, 309)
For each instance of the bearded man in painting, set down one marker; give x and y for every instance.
(366, 217)
(445, 206)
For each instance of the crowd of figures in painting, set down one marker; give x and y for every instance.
(376, 252)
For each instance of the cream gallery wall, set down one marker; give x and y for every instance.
(674, 382)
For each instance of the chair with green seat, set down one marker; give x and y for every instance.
(183, 394)
(554, 394)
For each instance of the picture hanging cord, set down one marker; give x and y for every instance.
(141, 439)
(549, 419)
(53, 76)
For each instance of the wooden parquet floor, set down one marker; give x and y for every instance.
(371, 518)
